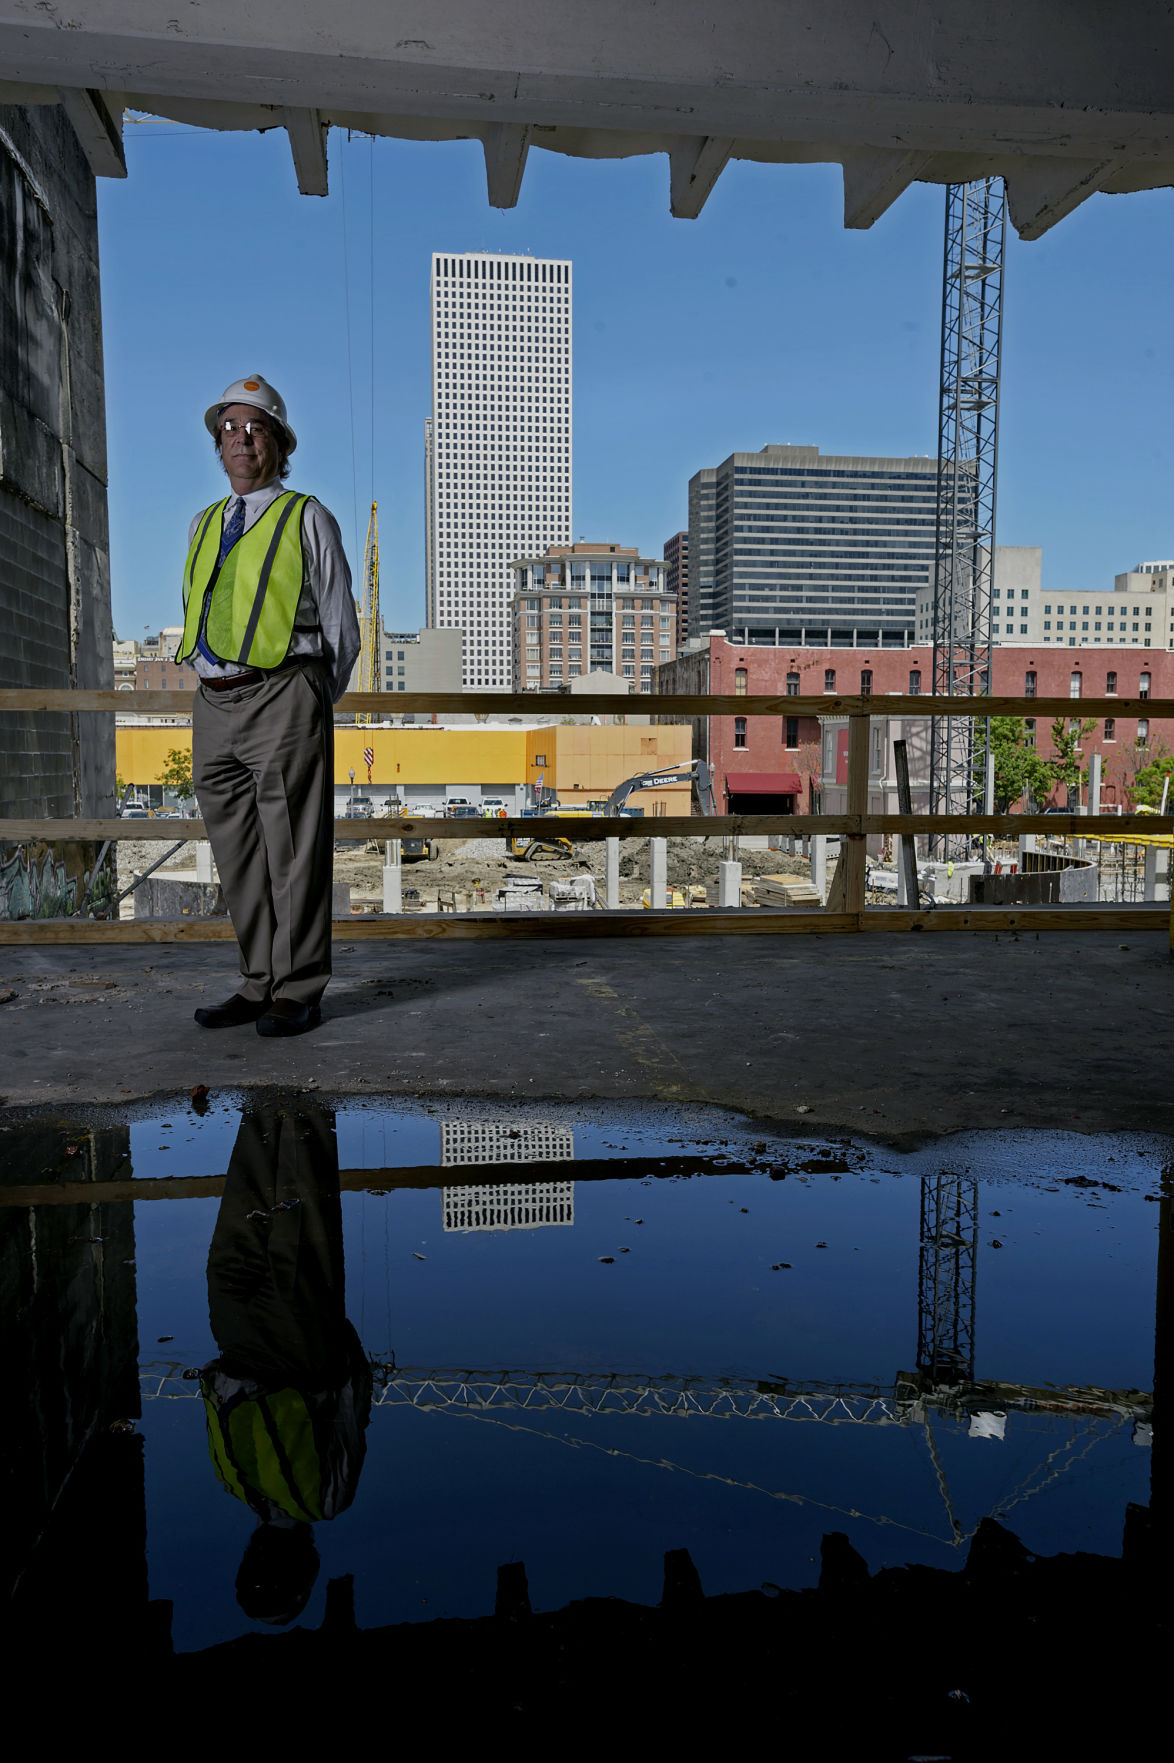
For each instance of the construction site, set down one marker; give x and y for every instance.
(794, 1320)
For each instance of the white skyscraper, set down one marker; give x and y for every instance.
(498, 451)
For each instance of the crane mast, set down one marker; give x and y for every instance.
(369, 670)
(968, 445)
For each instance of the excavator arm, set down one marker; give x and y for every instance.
(696, 769)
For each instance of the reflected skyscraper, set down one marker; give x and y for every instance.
(507, 1205)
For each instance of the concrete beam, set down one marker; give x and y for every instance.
(97, 122)
(1054, 83)
(873, 179)
(1044, 189)
(307, 140)
(694, 168)
(506, 146)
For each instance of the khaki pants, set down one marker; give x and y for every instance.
(263, 765)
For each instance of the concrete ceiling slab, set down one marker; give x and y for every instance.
(890, 89)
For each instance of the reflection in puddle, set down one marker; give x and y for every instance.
(288, 1397)
(738, 1348)
(512, 1205)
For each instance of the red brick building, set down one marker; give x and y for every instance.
(768, 764)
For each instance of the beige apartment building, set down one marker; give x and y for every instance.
(590, 608)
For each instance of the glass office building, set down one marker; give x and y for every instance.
(786, 546)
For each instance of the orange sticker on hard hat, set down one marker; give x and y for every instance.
(251, 385)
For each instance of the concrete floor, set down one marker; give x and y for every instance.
(885, 1035)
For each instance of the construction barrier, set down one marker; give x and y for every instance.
(853, 826)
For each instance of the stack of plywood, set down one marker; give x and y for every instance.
(786, 890)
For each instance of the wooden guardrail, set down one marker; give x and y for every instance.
(853, 826)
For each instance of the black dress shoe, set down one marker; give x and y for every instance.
(232, 1013)
(284, 1017)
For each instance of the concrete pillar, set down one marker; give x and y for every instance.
(658, 858)
(1094, 784)
(729, 884)
(819, 864)
(393, 877)
(1151, 872)
(613, 874)
(204, 860)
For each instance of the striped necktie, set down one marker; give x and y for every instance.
(234, 526)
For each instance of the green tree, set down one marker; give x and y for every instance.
(1018, 766)
(1067, 765)
(176, 775)
(1150, 781)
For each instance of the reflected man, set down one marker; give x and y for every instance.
(289, 1395)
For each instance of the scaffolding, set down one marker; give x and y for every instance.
(968, 434)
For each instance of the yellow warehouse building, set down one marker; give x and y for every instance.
(583, 763)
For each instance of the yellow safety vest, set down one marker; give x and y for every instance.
(264, 1446)
(255, 591)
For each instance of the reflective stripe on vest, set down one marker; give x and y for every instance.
(254, 592)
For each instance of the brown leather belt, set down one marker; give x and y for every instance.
(233, 679)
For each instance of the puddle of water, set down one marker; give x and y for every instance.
(418, 1344)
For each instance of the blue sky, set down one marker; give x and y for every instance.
(764, 320)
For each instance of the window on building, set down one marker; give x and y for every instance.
(1074, 684)
(1110, 728)
(540, 758)
(1029, 731)
(739, 731)
(915, 682)
(1143, 685)
(1143, 731)
(1111, 683)
(866, 682)
(1029, 683)
(792, 685)
(791, 732)
(829, 679)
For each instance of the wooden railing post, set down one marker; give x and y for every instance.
(859, 725)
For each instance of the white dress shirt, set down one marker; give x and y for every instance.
(326, 625)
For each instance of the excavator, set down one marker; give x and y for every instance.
(695, 770)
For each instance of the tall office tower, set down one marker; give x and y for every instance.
(499, 444)
(676, 575)
(702, 494)
(786, 546)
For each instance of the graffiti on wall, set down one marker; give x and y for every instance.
(40, 881)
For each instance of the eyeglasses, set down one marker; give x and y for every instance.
(232, 426)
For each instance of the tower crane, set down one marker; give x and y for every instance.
(369, 670)
(968, 446)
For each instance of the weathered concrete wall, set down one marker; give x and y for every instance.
(54, 549)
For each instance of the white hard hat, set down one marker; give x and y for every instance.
(257, 392)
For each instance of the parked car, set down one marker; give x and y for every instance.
(461, 811)
(494, 807)
(133, 811)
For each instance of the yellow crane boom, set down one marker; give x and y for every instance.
(369, 669)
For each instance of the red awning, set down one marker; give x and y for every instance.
(764, 783)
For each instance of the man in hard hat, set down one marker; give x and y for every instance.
(271, 629)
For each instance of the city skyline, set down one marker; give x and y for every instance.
(764, 321)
